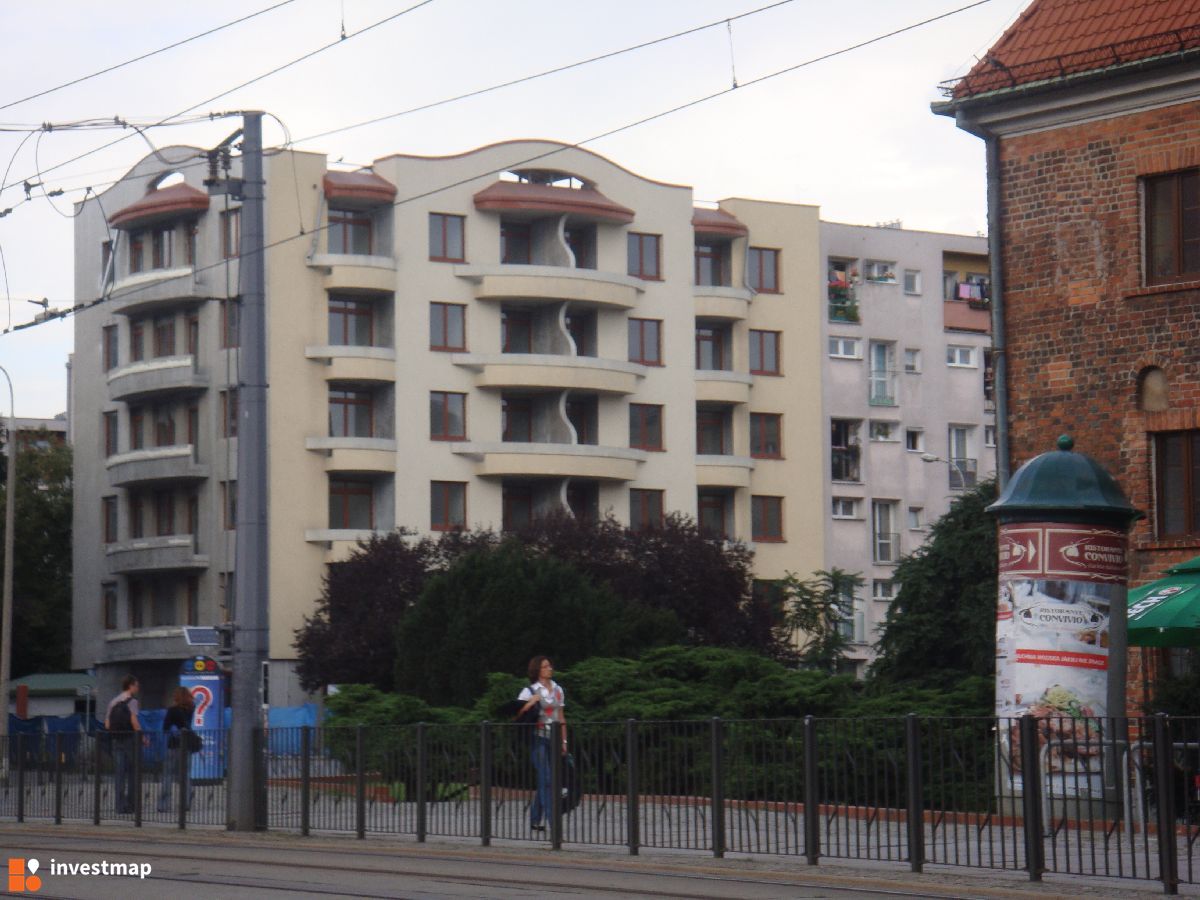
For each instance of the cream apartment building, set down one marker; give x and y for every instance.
(906, 381)
(452, 342)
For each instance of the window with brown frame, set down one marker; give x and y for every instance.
(712, 513)
(108, 519)
(712, 264)
(137, 251)
(193, 425)
(110, 347)
(766, 519)
(1172, 229)
(582, 328)
(192, 609)
(447, 238)
(110, 434)
(645, 341)
(447, 326)
(108, 606)
(137, 428)
(516, 331)
(713, 428)
(137, 342)
(229, 324)
(447, 416)
(712, 347)
(762, 270)
(645, 509)
(189, 243)
(351, 413)
(351, 322)
(229, 504)
(645, 256)
(447, 505)
(164, 337)
(583, 500)
(193, 514)
(516, 420)
(351, 503)
(137, 599)
(583, 414)
(645, 426)
(516, 507)
(765, 435)
(229, 413)
(137, 515)
(764, 352)
(231, 233)
(164, 426)
(1177, 483)
(191, 326)
(162, 244)
(164, 513)
(516, 243)
(350, 232)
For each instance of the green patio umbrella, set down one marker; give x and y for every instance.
(1166, 613)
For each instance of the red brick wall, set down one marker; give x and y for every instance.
(1080, 325)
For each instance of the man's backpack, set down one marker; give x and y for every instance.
(120, 717)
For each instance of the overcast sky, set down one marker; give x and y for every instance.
(852, 134)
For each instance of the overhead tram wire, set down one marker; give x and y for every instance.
(238, 87)
(136, 59)
(540, 156)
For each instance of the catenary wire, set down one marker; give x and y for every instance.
(136, 59)
(559, 149)
(244, 84)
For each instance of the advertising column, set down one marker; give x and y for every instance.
(202, 677)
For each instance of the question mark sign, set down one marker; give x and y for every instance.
(203, 699)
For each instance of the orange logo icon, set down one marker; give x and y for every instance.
(18, 881)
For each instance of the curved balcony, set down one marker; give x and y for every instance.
(156, 289)
(173, 553)
(355, 454)
(720, 386)
(512, 460)
(165, 375)
(552, 283)
(348, 273)
(723, 471)
(355, 363)
(551, 371)
(155, 464)
(721, 302)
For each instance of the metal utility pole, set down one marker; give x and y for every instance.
(250, 580)
(10, 505)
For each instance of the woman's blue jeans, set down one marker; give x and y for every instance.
(540, 754)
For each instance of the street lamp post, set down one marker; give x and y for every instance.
(952, 463)
(10, 503)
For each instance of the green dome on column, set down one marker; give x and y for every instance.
(1065, 486)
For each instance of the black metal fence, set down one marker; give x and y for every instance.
(1106, 797)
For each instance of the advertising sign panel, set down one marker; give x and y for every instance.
(202, 677)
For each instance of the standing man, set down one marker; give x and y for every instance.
(121, 722)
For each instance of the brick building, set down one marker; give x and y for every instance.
(1090, 110)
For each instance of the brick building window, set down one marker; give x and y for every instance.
(645, 341)
(645, 509)
(447, 326)
(1173, 227)
(447, 505)
(762, 270)
(645, 426)
(1177, 483)
(446, 238)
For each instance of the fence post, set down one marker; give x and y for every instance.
(136, 738)
(485, 784)
(422, 782)
(1031, 798)
(631, 787)
(20, 778)
(556, 783)
(360, 782)
(261, 778)
(185, 762)
(58, 798)
(812, 811)
(305, 778)
(916, 800)
(718, 786)
(1164, 792)
(97, 761)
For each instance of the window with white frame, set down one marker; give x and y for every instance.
(845, 348)
(914, 440)
(912, 361)
(845, 508)
(880, 272)
(916, 517)
(912, 281)
(989, 435)
(884, 431)
(883, 589)
(962, 357)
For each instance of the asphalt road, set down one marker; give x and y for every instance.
(219, 864)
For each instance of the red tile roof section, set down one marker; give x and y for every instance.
(169, 202)
(1055, 38)
(717, 221)
(358, 188)
(521, 196)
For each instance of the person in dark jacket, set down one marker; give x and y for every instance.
(177, 722)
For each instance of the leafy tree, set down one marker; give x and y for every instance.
(941, 625)
(495, 608)
(815, 610)
(42, 560)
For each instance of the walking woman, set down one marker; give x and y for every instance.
(178, 720)
(544, 693)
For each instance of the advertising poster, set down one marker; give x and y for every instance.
(1058, 584)
(202, 677)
